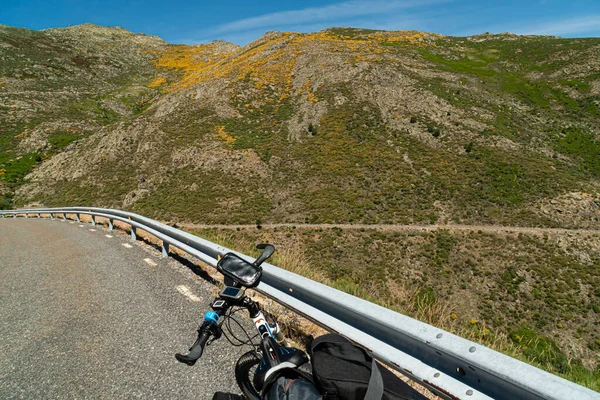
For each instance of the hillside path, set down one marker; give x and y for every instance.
(399, 227)
(83, 316)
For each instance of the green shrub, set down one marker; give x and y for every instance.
(435, 131)
(579, 144)
(469, 147)
(544, 350)
(5, 202)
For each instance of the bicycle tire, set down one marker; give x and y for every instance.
(244, 373)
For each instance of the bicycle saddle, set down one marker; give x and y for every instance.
(275, 360)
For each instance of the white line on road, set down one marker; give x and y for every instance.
(108, 236)
(126, 245)
(81, 226)
(92, 230)
(150, 262)
(184, 290)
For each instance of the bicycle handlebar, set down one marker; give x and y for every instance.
(196, 349)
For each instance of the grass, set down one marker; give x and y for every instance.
(415, 283)
(5, 202)
(13, 171)
(61, 139)
(582, 145)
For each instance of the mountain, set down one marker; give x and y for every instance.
(58, 86)
(342, 126)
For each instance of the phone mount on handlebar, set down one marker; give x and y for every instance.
(242, 272)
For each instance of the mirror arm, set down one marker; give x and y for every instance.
(267, 251)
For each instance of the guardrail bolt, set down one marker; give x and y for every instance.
(165, 249)
(133, 236)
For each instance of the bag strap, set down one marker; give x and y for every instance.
(375, 389)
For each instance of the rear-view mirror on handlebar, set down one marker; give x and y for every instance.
(267, 251)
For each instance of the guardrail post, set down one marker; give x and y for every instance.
(110, 224)
(133, 235)
(77, 216)
(15, 215)
(39, 215)
(26, 215)
(64, 216)
(165, 249)
(93, 220)
(51, 216)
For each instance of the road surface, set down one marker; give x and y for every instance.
(83, 316)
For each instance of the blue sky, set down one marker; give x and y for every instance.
(243, 21)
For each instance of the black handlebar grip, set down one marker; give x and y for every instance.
(195, 351)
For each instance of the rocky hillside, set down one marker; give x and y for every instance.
(350, 126)
(339, 126)
(60, 85)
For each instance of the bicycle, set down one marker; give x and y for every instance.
(257, 368)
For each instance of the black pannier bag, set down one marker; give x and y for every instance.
(345, 371)
(292, 386)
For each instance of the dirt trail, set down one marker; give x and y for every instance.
(399, 227)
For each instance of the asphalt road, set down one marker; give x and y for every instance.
(82, 316)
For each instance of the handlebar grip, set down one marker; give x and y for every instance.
(195, 351)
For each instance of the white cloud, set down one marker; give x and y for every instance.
(571, 26)
(334, 12)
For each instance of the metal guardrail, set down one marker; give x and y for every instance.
(450, 366)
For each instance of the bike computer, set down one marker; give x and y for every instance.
(230, 292)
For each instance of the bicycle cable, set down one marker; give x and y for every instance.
(227, 322)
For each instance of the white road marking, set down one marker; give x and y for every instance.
(150, 262)
(184, 290)
(108, 236)
(92, 230)
(81, 226)
(126, 245)
(72, 222)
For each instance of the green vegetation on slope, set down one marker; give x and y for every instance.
(60, 86)
(528, 306)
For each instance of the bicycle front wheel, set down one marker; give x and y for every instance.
(245, 369)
